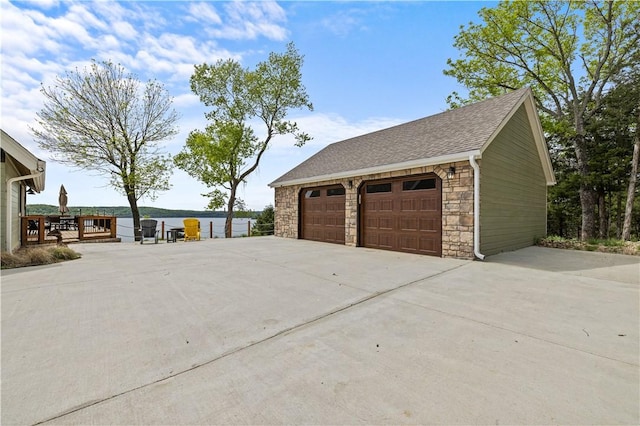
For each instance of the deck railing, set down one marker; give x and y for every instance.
(40, 229)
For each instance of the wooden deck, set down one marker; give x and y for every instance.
(46, 229)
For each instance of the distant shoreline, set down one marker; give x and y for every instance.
(125, 211)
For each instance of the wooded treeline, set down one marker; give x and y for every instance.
(612, 134)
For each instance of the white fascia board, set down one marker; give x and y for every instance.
(541, 144)
(433, 161)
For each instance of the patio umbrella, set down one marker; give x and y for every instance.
(62, 200)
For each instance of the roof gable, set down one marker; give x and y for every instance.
(446, 137)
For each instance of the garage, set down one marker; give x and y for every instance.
(465, 183)
(323, 213)
(402, 214)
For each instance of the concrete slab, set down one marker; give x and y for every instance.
(266, 330)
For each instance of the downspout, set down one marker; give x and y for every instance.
(10, 182)
(476, 207)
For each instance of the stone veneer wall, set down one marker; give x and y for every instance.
(457, 206)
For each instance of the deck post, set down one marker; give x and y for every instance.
(41, 235)
(113, 226)
(80, 228)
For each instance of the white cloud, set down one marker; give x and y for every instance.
(79, 14)
(174, 55)
(124, 30)
(345, 22)
(203, 12)
(113, 12)
(328, 128)
(43, 4)
(250, 20)
(22, 32)
(186, 100)
(69, 30)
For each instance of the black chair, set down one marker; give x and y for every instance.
(148, 230)
(53, 223)
(33, 226)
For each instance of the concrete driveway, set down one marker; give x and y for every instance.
(275, 331)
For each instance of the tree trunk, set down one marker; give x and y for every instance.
(602, 215)
(228, 224)
(588, 196)
(619, 216)
(135, 213)
(631, 191)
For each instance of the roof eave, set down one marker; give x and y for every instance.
(422, 162)
(27, 160)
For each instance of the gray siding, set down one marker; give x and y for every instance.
(513, 191)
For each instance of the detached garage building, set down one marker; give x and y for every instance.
(464, 183)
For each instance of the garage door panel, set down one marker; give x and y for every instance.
(371, 223)
(430, 204)
(409, 224)
(408, 242)
(385, 223)
(334, 221)
(386, 240)
(430, 224)
(336, 207)
(408, 205)
(403, 214)
(386, 206)
(323, 214)
(380, 205)
(429, 245)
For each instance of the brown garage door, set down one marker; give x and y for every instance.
(323, 214)
(402, 214)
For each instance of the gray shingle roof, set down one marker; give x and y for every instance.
(451, 132)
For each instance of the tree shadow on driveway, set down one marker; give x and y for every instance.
(607, 266)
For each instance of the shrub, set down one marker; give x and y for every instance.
(64, 253)
(264, 222)
(37, 256)
(8, 260)
(593, 244)
(611, 242)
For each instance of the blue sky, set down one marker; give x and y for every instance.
(368, 66)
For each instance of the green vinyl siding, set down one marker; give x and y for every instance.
(513, 190)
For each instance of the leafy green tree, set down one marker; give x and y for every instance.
(102, 119)
(631, 191)
(614, 128)
(228, 151)
(563, 214)
(265, 222)
(567, 52)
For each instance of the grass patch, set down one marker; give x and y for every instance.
(37, 256)
(609, 245)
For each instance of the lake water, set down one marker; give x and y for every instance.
(240, 226)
